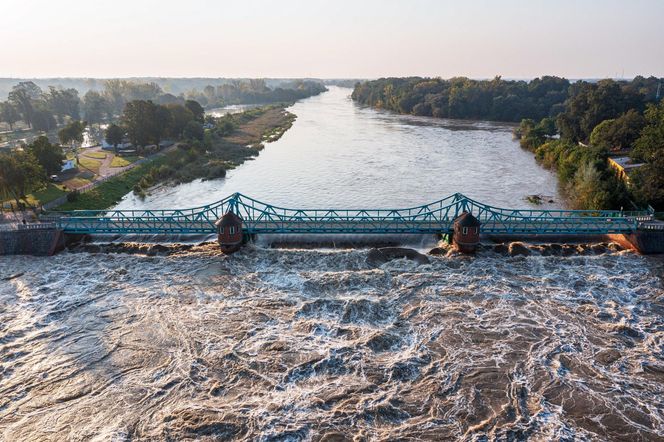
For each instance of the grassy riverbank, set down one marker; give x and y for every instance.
(232, 140)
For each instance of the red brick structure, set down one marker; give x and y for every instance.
(229, 232)
(466, 232)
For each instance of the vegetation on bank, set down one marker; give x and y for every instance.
(255, 91)
(496, 99)
(572, 128)
(28, 106)
(583, 169)
(230, 141)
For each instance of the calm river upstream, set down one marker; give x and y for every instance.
(338, 154)
(137, 342)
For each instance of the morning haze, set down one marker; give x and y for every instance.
(331, 221)
(331, 39)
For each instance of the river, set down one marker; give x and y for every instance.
(338, 154)
(132, 342)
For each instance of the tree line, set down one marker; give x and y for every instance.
(496, 99)
(571, 127)
(599, 120)
(142, 122)
(44, 110)
(255, 91)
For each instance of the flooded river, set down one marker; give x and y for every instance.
(152, 343)
(283, 344)
(338, 154)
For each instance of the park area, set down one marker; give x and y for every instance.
(94, 165)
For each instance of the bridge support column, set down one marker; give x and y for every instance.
(643, 241)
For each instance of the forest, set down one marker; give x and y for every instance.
(45, 109)
(572, 127)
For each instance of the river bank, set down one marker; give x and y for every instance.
(186, 162)
(342, 155)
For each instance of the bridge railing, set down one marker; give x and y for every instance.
(261, 217)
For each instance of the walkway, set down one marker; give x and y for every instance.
(436, 217)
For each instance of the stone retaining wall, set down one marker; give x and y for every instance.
(37, 242)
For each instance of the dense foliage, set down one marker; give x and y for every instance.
(497, 99)
(649, 180)
(49, 156)
(585, 104)
(583, 170)
(44, 110)
(571, 127)
(148, 123)
(255, 92)
(19, 174)
(38, 109)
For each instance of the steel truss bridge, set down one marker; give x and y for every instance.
(258, 217)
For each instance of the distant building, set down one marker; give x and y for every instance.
(623, 167)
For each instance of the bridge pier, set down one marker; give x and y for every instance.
(32, 239)
(645, 241)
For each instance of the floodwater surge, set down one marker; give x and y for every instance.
(288, 344)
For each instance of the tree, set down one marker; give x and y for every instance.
(648, 183)
(9, 114)
(548, 127)
(591, 103)
(180, 116)
(114, 135)
(145, 122)
(650, 144)
(194, 131)
(648, 180)
(49, 156)
(20, 173)
(209, 93)
(618, 133)
(95, 107)
(196, 109)
(532, 135)
(22, 96)
(63, 102)
(73, 134)
(43, 119)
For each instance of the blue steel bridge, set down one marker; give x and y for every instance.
(434, 218)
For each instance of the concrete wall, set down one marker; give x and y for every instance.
(38, 242)
(644, 241)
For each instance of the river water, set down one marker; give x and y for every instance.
(338, 154)
(129, 342)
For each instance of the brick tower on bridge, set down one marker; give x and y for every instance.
(466, 232)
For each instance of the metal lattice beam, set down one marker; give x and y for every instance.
(258, 217)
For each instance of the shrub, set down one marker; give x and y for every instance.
(73, 196)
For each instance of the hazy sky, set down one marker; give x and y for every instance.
(358, 38)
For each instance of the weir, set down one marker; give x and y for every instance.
(434, 218)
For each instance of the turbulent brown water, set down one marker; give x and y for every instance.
(282, 344)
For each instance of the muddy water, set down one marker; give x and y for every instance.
(276, 344)
(339, 154)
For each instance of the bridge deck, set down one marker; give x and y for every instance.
(437, 217)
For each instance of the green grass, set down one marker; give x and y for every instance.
(177, 166)
(119, 161)
(76, 182)
(110, 192)
(43, 196)
(89, 163)
(97, 155)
